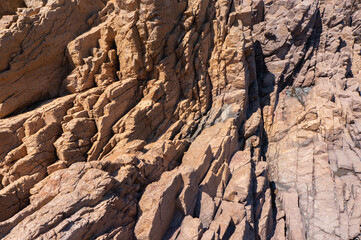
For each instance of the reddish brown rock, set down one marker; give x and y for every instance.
(172, 119)
(28, 52)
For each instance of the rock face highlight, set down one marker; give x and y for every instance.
(169, 119)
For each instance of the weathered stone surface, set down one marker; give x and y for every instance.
(32, 50)
(10, 7)
(174, 119)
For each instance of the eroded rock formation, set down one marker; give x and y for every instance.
(180, 119)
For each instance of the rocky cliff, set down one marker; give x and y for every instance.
(180, 119)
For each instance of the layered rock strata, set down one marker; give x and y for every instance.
(169, 119)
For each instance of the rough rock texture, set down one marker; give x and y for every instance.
(180, 119)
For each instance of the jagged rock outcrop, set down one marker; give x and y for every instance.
(32, 49)
(168, 119)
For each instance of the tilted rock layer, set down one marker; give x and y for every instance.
(180, 119)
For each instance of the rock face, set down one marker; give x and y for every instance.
(169, 119)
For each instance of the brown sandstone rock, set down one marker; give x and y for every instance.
(30, 52)
(172, 119)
